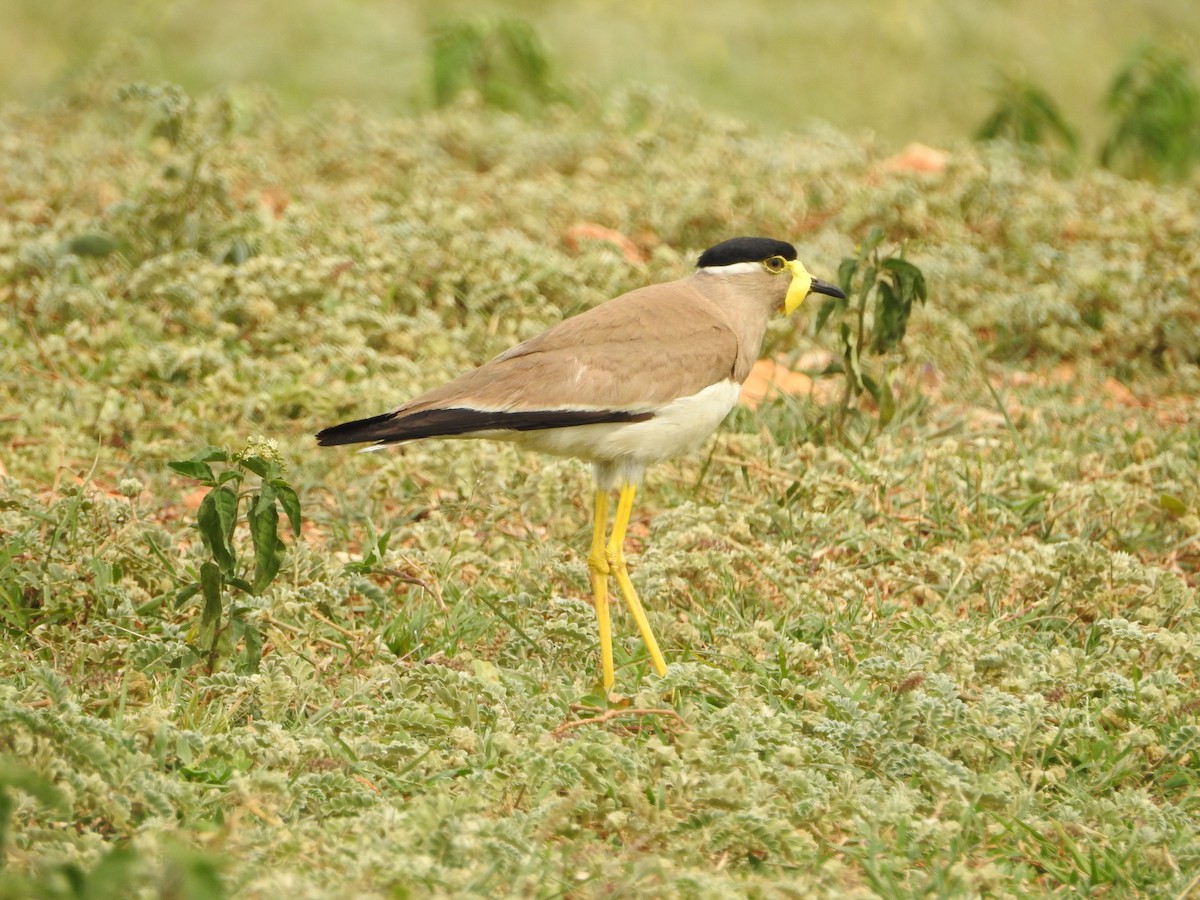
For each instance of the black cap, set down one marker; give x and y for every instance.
(745, 249)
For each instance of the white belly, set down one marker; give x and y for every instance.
(681, 425)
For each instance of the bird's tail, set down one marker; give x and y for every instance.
(394, 427)
(376, 428)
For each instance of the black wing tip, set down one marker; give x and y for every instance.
(392, 428)
(357, 432)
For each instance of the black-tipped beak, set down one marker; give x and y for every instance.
(824, 287)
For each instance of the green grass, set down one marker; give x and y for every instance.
(957, 657)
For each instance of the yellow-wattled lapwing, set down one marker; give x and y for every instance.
(639, 379)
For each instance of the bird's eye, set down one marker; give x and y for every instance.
(775, 264)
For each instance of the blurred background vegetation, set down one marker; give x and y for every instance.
(905, 70)
(940, 638)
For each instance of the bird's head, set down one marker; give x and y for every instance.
(755, 254)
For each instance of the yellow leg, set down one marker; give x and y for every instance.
(598, 568)
(616, 561)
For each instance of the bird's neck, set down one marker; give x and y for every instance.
(746, 302)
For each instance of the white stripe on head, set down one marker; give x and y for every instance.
(742, 268)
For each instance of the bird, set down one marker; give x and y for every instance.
(638, 379)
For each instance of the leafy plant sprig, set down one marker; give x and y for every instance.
(503, 59)
(189, 205)
(1026, 113)
(887, 286)
(227, 567)
(1156, 101)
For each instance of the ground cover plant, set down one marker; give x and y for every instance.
(950, 650)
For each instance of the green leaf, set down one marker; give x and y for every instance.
(891, 318)
(237, 252)
(1172, 504)
(846, 272)
(886, 399)
(290, 502)
(824, 313)
(908, 279)
(267, 495)
(194, 468)
(376, 547)
(94, 244)
(263, 518)
(871, 385)
(210, 618)
(197, 465)
(874, 239)
(252, 643)
(257, 465)
(216, 518)
(210, 454)
(850, 355)
(240, 583)
(868, 281)
(185, 594)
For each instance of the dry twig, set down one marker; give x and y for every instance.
(609, 714)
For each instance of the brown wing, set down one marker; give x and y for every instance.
(618, 362)
(636, 352)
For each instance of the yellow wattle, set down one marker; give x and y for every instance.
(799, 288)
